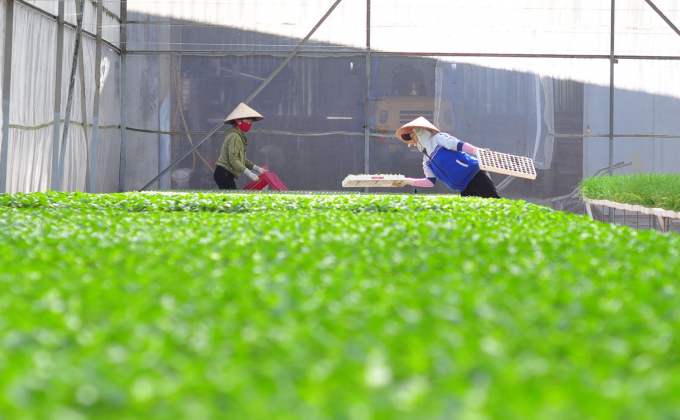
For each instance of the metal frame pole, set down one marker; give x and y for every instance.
(123, 95)
(292, 54)
(660, 13)
(6, 90)
(612, 61)
(367, 123)
(163, 100)
(57, 97)
(83, 102)
(95, 113)
(250, 98)
(69, 102)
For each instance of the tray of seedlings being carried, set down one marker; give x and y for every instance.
(503, 163)
(386, 181)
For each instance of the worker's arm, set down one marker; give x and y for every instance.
(421, 182)
(250, 165)
(429, 179)
(452, 143)
(253, 167)
(234, 151)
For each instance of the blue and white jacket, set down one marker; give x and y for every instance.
(444, 159)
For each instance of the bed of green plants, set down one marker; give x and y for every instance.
(358, 306)
(648, 190)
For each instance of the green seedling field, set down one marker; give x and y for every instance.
(357, 306)
(648, 190)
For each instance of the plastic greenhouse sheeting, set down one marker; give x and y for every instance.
(2, 54)
(527, 77)
(425, 26)
(31, 105)
(110, 18)
(30, 154)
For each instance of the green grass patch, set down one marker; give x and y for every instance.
(289, 306)
(648, 190)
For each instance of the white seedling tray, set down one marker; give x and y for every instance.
(374, 181)
(503, 163)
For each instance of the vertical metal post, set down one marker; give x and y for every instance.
(69, 102)
(612, 61)
(83, 102)
(164, 140)
(92, 181)
(367, 125)
(123, 94)
(6, 88)
(165, 91)
(57, 97)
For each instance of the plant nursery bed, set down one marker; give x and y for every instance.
(658, 212)
(356, 306)
(651, 191)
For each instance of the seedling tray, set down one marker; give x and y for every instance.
(503, 163)
(385, 181)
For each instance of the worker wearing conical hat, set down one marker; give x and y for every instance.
(233, 162)
(447, 159)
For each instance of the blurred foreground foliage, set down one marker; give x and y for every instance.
(278, 306)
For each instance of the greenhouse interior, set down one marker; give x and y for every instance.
(581, 87)
(136, 284)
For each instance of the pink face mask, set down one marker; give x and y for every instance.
(243, 126)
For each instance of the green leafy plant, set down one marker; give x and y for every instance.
(648, 190)
(330, 306)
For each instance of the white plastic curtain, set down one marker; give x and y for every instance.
(32, 106)
(32, 103)
(2, 52)
(110, 18)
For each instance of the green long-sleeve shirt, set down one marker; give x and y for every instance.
(233, 155)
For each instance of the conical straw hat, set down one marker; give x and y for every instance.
(420, 122)
(243, 111)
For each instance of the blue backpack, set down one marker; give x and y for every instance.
(454, 168)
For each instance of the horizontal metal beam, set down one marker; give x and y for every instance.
(174, 23)
(324, 133)
(362, 53)
(637, 136)
(647, 57)
(282, 53)
(381, 134)
(276, 132)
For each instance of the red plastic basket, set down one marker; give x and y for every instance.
(267, 178)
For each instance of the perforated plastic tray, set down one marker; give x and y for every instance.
(374, 181)
(503, 163)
